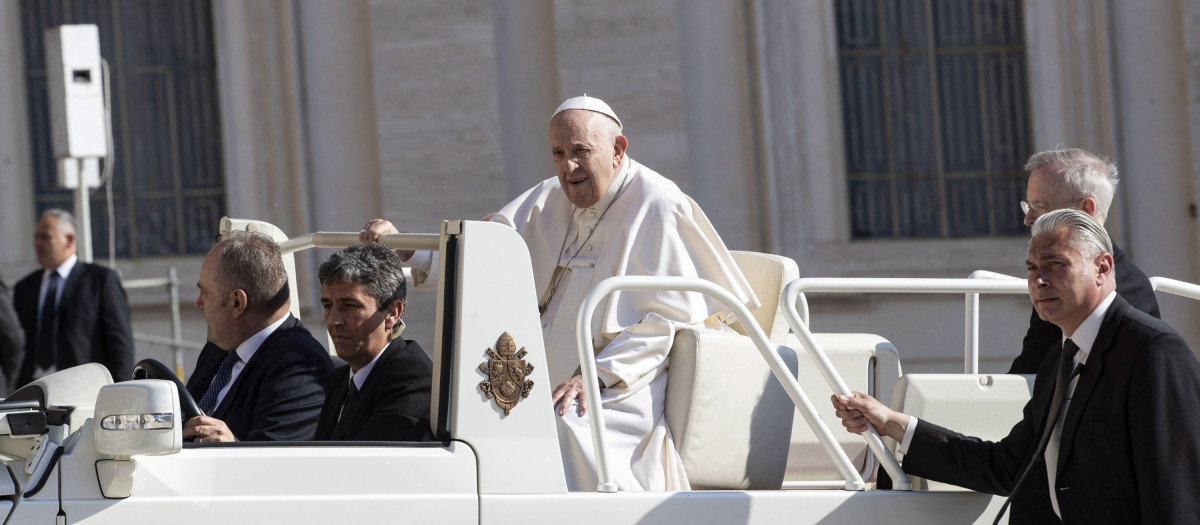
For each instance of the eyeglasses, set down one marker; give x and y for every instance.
(1026, 207)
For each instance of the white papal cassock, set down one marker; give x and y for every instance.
(650, 228)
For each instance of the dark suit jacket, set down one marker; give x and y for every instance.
(392, 405)
(12, 342)
(278, 394)
(1132, 285)
(92, 321)
(1130, 440)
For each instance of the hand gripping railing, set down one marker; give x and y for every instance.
(769, 352)
(792, 292)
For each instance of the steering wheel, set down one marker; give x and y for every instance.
(153, 369)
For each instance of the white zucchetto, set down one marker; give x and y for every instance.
(590, 104)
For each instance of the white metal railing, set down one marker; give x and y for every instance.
(769, 352)
(411, 241)
(794, 290)
(981, 282)
(175, 342)
(1172, 286)
(971, 348)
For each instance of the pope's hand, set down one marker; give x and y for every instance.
(569, 391)
(377, 227)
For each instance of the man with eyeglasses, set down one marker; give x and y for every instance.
(1074, 178)
(1109, 432)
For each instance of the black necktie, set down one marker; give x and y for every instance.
(339, 430)
(45, 350)
(1066, 367)
(351, 391)
(1065, 364)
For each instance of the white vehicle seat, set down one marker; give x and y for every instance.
(728, 415)
(75, 387)
(985, 406)
(733, 424)
(767, 274)
(867, 363)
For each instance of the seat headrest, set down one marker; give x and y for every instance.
(75, 386)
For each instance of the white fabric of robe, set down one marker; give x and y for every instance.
(650, 228)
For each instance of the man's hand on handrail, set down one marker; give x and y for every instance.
(860, 409)
(377, 227)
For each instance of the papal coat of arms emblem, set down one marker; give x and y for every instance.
(506, 372)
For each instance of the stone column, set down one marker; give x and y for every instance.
(16, 177)
(339, 114)
(1155, 155)
(527, 87)
(721, 152)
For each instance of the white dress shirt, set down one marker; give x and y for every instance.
(1084, 337)
(360, 377)
(245, 351)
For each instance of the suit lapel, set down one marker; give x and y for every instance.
(373, 379)
(353, 411)
(1089, 377)
(335, 396)
(251, 366)
(1042, 396)
(206, 368)
(71, 287)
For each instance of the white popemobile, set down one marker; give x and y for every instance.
(749, 412)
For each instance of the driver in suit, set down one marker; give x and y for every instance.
(1109, 435)
(262, 376)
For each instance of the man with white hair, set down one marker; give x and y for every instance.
(606, 215)
(1075, 178)
(1109, 435)
(73, 312)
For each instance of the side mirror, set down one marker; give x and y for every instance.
(138, 418)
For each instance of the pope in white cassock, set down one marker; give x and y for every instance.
(606, 215)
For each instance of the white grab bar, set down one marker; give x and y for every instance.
(411, 241)
(971, 346)
(792, 292)
(1176, 287)
(587, 364)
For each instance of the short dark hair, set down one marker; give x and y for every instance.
(371, 265)
(252, 262)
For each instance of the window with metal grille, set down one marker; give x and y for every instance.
(935, 108)
(168, 185)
